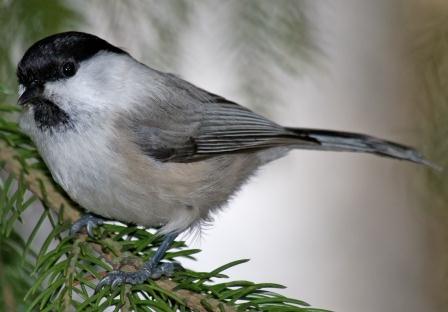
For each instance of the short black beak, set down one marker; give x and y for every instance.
(30, 94)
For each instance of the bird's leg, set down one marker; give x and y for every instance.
(151, 269)
(90, 221)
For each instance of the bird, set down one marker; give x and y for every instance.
(133, 144)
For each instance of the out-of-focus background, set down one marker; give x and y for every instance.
(344, 232)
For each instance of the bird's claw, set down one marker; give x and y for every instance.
(88, 221)
(117, 278)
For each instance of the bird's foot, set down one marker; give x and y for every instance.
(116, 278)
(88, 221)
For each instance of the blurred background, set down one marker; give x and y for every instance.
(344, 232)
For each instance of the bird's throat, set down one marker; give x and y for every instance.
(49, 116)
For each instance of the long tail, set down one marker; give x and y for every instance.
(328, 140)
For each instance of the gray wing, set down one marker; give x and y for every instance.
(191, 124)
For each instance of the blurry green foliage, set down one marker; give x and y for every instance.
(431, 56)
(156, 26)
(430, 37)
(25, 21)
(261, 38)
(269, 36)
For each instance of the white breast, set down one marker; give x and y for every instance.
(86, 164)
(107, 176)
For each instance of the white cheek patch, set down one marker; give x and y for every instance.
(101, 85)
(21, 90)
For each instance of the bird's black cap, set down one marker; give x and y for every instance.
(42, 61)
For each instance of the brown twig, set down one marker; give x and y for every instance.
(105, 256)
(194, 300)
(191, 299)
(8, 296)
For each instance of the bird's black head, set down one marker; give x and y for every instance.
(54, 58)
(58, 56)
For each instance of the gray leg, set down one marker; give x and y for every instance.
(89, 221)
(151, 269)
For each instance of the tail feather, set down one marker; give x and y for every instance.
(328, 140)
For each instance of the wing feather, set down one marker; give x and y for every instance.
(219, 126)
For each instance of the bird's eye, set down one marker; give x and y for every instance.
(68, 69)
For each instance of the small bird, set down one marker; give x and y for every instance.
(133, 144)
